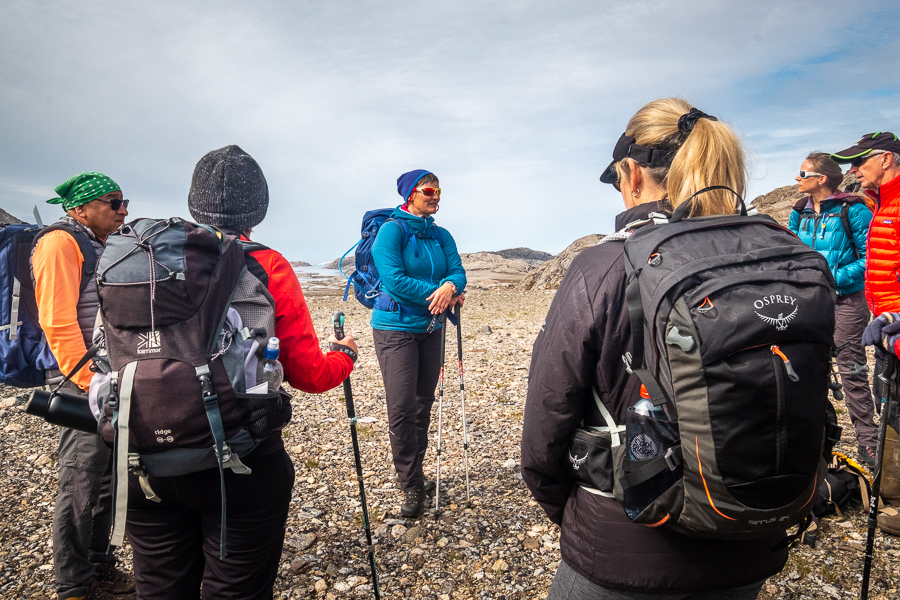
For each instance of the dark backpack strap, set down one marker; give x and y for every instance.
(89, 257)
(253, 265)
(845, 221)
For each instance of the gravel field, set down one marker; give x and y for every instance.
(500, 546)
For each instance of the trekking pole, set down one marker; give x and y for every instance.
(890, 365)
(338, 321)
(462, 396)
(437, 485)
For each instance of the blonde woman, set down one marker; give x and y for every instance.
(669, 151)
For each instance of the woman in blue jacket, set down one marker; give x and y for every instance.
(421, 271)
(837, 225)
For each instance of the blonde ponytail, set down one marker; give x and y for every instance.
(711, 155)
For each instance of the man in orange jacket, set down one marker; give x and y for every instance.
(875, 161)
(63, 261)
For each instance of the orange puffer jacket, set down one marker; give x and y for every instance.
(883, 264)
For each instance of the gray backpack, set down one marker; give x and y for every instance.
(184, 320)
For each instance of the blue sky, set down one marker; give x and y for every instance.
(514, 105)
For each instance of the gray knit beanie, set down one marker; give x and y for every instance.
(228, 189)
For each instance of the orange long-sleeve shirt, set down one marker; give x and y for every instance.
(57, 265)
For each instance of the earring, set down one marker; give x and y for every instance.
(635, 193)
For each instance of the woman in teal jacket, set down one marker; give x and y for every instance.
(837, 225)
(421, 270)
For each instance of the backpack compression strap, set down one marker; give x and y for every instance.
(121, 415)
(614, 436)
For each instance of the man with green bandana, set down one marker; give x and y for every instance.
(63, 262)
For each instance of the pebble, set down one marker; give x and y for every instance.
(301, 541)
(500, 566)
(8, 402)
(321, 586)
(13, 427)
(341, 586)
(486, 330)
(397, 531)
(411, 534)
(510, 464)
(442, 542)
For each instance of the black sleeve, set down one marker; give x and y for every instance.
(559, 384)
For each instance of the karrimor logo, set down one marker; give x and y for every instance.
(148, 343)
(780, 302)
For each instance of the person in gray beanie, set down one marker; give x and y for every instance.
(172, 539)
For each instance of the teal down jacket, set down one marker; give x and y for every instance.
(410, 279)
(825, 232)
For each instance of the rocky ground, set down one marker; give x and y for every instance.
(498, 546)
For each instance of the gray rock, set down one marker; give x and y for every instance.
(486, 330)
(301, 541)
(397, 531)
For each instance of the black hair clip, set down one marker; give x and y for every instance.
(687, 121)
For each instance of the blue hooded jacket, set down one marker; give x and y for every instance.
(824, 232)
(410, 279)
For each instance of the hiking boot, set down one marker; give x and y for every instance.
(889, 520)
(869, 455)
(412, 503)
(96, 593)
(110, 578)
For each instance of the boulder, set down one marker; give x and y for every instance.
(532, 257)
(349, 264)
(8, 219)
(299, 263)
(549, 274)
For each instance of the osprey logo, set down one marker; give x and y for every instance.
(780, 321)
(577, 462)
(643, 447)
(148, 343)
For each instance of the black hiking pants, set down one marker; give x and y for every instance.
(410, 366)
(176, 541)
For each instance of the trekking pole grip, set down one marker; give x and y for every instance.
(337, 319)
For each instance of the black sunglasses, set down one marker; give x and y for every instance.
(116, 204)
(859, 160)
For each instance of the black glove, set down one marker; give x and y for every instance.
(884, 331)
(335, 347)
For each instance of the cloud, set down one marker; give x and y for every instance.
(515, 105)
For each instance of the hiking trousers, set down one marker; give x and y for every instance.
(82, 518)
(851, 317)
(410, 366)
(570, 585)
(176, 541)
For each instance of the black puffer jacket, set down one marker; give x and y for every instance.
(581, 344)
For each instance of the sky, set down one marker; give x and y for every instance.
(516, 106)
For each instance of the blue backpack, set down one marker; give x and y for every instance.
(365, 279)
(24, 354)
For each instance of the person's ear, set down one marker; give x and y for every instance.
(636, 177)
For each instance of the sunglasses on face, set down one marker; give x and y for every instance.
(859, 160)
(808, 174)
(429, 192)
(115, 205)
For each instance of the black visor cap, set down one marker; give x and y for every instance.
(626, 148)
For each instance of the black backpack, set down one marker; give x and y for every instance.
(183, 319)
(733, 320)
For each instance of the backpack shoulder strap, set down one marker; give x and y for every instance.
(89, 257)
(254, 265)
(845, 221)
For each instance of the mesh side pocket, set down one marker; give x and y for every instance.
(261, 414)
(647, 439)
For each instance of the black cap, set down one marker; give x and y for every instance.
(647, 155)
(880, 140)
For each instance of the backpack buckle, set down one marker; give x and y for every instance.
(626, 358)
(672, 459)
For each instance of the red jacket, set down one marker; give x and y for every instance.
(305, 366)
(883, 250)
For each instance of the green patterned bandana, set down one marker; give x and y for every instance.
(83, 188)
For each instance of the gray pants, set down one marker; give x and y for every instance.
(83, 516)
(851, 317)
(569, 585)
(410, 366)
